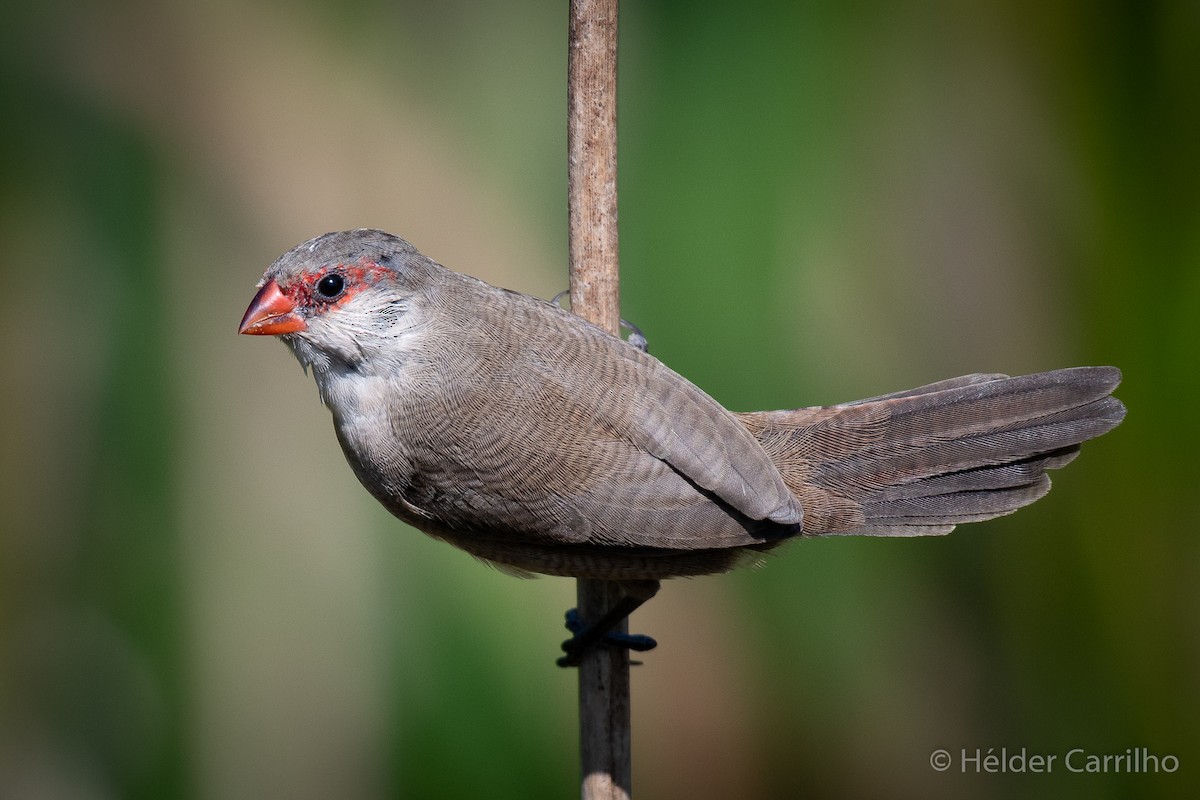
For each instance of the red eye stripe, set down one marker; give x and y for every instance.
(300, 292)
(357, 277)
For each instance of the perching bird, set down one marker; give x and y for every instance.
(534, 440)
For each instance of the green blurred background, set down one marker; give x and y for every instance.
(819, 201)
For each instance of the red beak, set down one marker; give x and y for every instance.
(271, 313)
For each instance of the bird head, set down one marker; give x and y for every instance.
(342, 301)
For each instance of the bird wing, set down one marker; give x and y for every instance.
(651, 419)
(555, 431)
(675, 422)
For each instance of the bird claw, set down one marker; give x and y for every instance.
(585, 638)
(635, 338)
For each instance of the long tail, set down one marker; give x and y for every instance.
(920, 462)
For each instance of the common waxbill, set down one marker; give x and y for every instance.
(522, 434)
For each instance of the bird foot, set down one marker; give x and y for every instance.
(587, 637)
(635, 337)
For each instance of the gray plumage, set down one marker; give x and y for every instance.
(532, 439)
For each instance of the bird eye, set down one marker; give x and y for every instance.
(331, 286)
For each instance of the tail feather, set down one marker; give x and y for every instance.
(1003, 476)
(999, 404)
(955, 507)
(922, 461)
(912, 457)
(949, 383)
